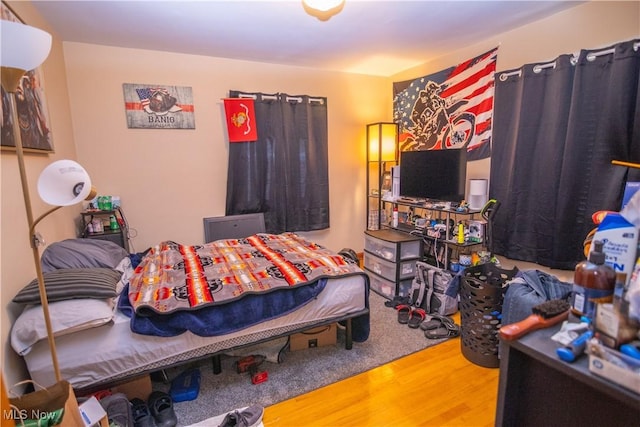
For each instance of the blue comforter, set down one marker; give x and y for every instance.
(235, 315)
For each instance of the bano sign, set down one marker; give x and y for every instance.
(158, 107)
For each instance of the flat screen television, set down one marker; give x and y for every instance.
(433, 174)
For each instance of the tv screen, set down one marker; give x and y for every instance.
(433, 174)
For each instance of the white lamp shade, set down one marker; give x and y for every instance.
(323, 9)
(323, 5)
(23, 47)
(64, 183)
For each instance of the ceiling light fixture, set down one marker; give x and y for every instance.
(323, 9)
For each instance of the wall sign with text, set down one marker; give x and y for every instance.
(159, 107)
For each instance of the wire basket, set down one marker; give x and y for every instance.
(481, 295)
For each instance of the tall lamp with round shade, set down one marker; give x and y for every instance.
(62, 183)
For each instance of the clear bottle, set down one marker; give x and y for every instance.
(394, 219)
(593, 283)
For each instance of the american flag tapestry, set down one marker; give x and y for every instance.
(159, 107)
(451, 109)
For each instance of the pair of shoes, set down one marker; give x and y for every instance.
(396, 301)
(432, 321)
(118, 409)
(141, 414)
(404, 312)
(410, 316)
(161, 408)
(416, 317)
(446, 329)
(247, 417)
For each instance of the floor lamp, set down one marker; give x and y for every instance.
(62, 183)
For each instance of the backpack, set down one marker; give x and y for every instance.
(428, 290)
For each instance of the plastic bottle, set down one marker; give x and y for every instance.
(460, 232)
(593, 283)
(394, 220)
(113, 223)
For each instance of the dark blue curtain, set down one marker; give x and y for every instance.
(557, 126)
(283, 174)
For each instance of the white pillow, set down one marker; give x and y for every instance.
(67, 317)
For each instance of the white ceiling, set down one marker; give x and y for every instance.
(370, 37)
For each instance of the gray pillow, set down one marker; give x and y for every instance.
(71, 283)
(82, 253)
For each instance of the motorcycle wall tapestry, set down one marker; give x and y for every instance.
(450, 109)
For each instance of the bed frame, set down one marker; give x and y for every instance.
(110, 354)
(115, 365)
(216, 355)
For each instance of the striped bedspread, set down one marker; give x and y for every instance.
(172, 277)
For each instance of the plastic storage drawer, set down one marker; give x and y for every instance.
(387, 288)
(392, 245)
(387, 269)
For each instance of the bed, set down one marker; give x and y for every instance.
(104, 350)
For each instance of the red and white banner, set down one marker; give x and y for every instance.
(241, 119)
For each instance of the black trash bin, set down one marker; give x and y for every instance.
(482, 292)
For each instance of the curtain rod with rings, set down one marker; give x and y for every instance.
(593, 55)
(539, 67)
(277, 96)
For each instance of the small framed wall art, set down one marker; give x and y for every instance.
(158, 107)
(31, 106)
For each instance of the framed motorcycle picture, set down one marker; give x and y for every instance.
(31, 107)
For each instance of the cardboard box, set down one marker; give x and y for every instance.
(139, 387)
(614, 366)
(477, 230)
(315, 337)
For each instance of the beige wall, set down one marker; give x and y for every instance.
(84, 93)
(169, 179)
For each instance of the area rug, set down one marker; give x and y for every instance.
(300, 371)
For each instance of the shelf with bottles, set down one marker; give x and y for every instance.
(105, 225)
(438, 227)
(423, 219)
(431, 205)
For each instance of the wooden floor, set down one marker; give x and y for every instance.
(437, 386)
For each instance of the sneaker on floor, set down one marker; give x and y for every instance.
(141, 414)
(161, 407)
(118, 409)
(247, 417)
